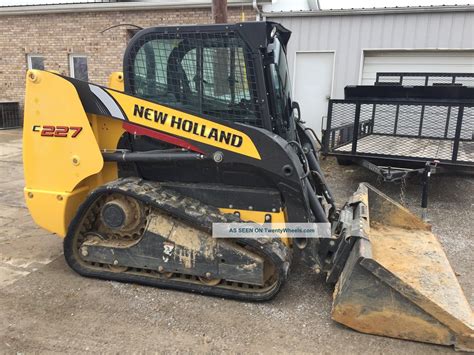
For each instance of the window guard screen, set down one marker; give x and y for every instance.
(205, 73)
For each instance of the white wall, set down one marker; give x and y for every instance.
(348, 35)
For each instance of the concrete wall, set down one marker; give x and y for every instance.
(348, 35)
(55, 36)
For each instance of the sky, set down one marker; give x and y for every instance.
(325, 4)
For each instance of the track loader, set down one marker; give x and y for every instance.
(200, 129)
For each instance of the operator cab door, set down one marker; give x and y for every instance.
(201, 71)
(208, 74)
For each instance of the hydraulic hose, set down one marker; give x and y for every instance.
(314, 165)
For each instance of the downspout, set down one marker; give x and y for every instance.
(314, 5)
(257, 10)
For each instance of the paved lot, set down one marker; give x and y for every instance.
(44, 306)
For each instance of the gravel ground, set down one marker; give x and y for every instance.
(45, 307)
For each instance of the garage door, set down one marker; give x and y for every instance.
(415, 61)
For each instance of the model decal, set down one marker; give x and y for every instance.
(57, 131)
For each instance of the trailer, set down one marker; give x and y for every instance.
(396, 131)
(423, 79)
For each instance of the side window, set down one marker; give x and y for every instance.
(35, 61)
(206, 75)
(278, 88)
(281, 82)
(78, 67)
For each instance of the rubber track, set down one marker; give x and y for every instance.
(191, 211)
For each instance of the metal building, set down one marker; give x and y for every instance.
(330, 49)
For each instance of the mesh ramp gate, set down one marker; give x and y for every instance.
(425, 79)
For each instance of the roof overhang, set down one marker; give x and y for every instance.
(371, 11)
(117, 6)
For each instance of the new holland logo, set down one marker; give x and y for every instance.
(184, 125)
(187, 125)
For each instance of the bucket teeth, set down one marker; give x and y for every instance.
(399, 283)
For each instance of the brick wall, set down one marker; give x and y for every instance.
(55, 36)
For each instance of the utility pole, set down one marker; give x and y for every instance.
(221, 55)
(219, 11)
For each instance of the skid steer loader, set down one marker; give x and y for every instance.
(200, 129)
